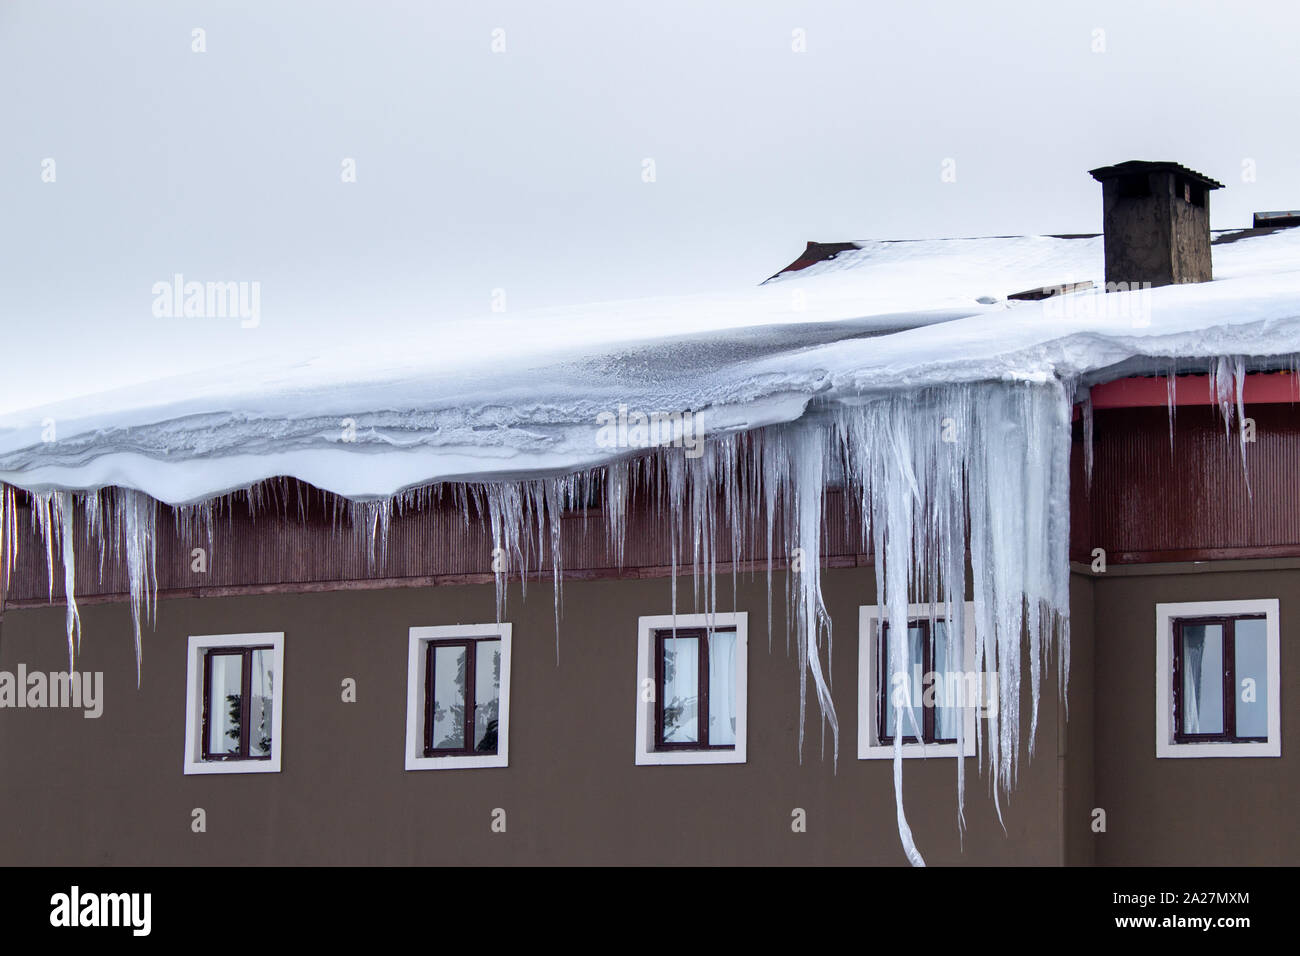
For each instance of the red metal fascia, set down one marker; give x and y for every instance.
(1260, 388)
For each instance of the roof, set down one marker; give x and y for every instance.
(818, 252)
(1103, 173)
(517, 394)
(1280, 217)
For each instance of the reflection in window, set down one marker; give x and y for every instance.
(462, 696)
(681, 683)
(238, 703)
(1202, 673)
(695, 689)
(1220, 679)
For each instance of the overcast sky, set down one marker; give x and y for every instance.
(524, 168)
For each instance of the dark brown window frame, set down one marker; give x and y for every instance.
(471, 702)
(883, 695)
(245, 701)
(1229, 732)
(702, 691)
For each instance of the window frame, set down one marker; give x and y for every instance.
(871, 744)
(1228, 679)
(651, 631)
(471, 694)
(702, 635)
(198, 672)
(418, 691)
(1171, 742)
(245, 653)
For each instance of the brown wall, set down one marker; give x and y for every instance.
(1188, 812)
(1077, 726)
(111, 790)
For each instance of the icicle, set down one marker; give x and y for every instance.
(1239, 380)
(45, 527)
(1220, 380)
(52, 513)
(1171, 402)
(1085, 408)
(1227, 380)
(771, 486)
(137, 517)
(555, 503)
(369, 519)
(893, 492)
(925, 461)
(808, 453)
(64, 507)
(615, 496)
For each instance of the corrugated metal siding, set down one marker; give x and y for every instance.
(1148, 503)
(276, 549)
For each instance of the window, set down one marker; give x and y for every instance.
(695, 684)
(1218, 679)
(462, 696)
(233, 703)
(691, 689)
(458, 697)
(927, 642)
(939, 691)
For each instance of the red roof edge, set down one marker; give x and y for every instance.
(1259, 388)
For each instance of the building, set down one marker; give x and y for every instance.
(368, 681)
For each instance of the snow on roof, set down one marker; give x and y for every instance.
(518, 394)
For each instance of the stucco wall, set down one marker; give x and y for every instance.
(111, 790)
(1189, 812)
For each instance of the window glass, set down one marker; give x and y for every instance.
(487, 695)
(1202, 678)
(900, 686)
(261, 703)
(225, 702)
(449, 697)
(681, 690)
(947, 686)
(722, 688)
(1250, 651)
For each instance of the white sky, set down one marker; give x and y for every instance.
(522, 170)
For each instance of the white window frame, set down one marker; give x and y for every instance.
(869, 747)
(417, 662)
(646, 755)
(194, 762)
(1165, 615)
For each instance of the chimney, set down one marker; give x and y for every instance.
(1156, 220)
